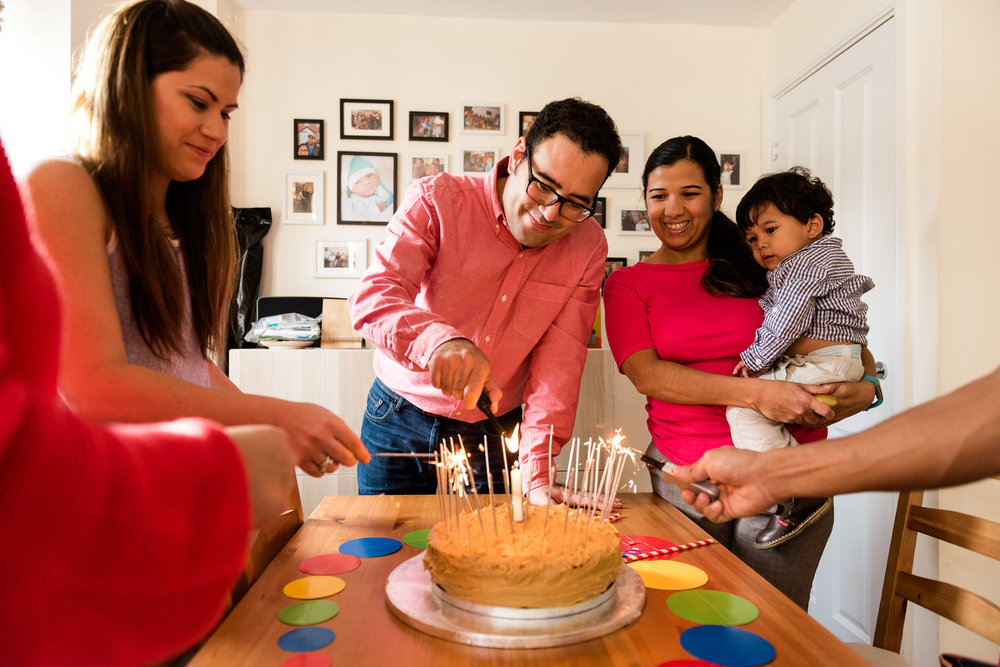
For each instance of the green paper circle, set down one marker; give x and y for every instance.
(309, 612)
(712, 607)
(417, 538)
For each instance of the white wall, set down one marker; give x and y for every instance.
(662, 80)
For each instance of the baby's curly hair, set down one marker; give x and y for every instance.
(795, 192)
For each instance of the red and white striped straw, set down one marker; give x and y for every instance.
(611, 518)
(669, 550)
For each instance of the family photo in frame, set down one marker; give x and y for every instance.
(366, 192)
(307, 139)
(428, 126)
(366, 119)
(482, 119)
(303, 201)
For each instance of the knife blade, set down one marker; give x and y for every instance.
(667, 467)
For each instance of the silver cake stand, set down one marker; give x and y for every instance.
(426, 607)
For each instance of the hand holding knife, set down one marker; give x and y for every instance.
(667, 468)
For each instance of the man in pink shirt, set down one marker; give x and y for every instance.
(487, 284)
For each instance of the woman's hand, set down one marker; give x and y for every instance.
(792, 403)
(315, 433)
(852, 398)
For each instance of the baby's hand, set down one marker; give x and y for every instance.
(741, 370)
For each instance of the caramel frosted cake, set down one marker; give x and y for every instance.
(485, 563)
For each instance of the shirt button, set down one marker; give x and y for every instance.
(487, 339)
(520, 255)
(503, 299)
(458, 413)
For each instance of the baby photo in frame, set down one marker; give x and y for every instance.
(366, 191)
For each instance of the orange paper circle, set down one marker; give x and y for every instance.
(310, 588)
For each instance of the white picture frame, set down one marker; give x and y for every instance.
(479, 160)
(428, 165)
(734, 175)
(641, 254)
(339, 258)
(483, 118)
(634, 222)
(628, 172)
(303, 200)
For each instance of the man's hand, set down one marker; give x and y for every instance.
(737, 473)
(460, 370)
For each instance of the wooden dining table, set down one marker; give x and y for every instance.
(367, 632)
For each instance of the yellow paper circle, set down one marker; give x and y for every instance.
(669, 575)
(310, 588)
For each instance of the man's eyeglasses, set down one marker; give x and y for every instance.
(542, 194)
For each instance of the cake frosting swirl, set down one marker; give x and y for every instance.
(552, 562)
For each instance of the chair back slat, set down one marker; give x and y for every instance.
(956, 604)
(969, 532)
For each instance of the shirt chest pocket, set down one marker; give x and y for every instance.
(538, 305)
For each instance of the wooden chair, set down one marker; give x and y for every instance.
(901, 585)
(266, 544)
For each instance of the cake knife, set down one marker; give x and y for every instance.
(667, 467)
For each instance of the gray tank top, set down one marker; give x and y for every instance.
(192, 365)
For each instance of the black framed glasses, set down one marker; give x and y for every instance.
(542, 194)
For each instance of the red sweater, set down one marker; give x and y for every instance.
(117, 543)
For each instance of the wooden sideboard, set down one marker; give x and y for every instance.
(339, 379)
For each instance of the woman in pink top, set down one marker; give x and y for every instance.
(676, 324)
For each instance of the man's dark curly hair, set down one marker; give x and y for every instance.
(584, 123)
(795, 192)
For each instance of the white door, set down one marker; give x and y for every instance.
(840, 122)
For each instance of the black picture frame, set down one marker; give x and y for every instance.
(612, 264)
(367, 119)
(355, 207)
(601, 212)
(524, 121)
(304, 129)
(436, 130)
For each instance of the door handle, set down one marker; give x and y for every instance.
(880, 370)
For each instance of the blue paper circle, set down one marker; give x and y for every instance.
(370, 547)
(301, 640)
(723, 645)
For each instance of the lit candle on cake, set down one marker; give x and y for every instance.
(515, 476)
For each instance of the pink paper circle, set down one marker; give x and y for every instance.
(308, 660)
(634, 544)
(330, 564)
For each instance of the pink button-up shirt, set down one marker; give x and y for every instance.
(450, 268)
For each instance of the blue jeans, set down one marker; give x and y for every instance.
(394, 425)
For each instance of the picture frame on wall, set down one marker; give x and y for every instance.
(634, 221)
(303, 200)
(479, 160)
(422, 164)
(428, 126)
(366, 119)
(482, 118)
(308, 139)
(340, 258)
(731, 177)
(612, 264)
(525, 119)
(366, 187)
(642, 254)
(600, 212)
(629, 169)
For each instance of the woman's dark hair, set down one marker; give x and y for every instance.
(584, 123)
(732, 270)
(795, 192)
(114, 134)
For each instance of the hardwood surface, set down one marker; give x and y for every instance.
(368, 633)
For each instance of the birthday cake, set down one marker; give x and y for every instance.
(556, 560)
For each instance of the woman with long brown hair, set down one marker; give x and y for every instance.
(139, 232)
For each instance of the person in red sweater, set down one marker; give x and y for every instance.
(120, 542)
